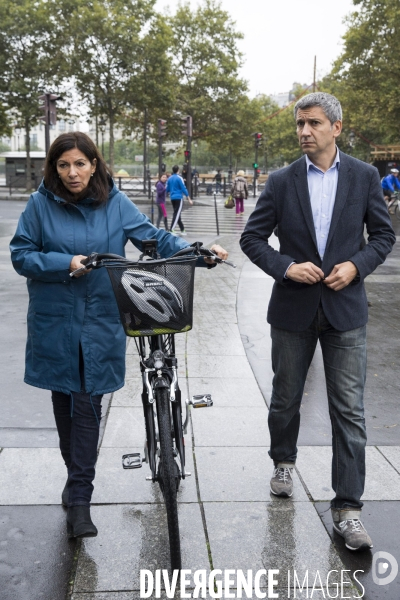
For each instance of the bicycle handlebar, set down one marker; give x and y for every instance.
(96, 261)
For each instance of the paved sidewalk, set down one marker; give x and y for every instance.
(228, 518)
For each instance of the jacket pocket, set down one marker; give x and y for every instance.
(49, 335)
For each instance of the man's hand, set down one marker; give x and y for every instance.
(219, 251)
(76, 264)
(305, 273)
(190, 201)
(341, 275)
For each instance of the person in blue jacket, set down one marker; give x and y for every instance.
(76, 343)
(176, 189)
(390, 184)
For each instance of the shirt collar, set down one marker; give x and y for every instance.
(336, 162)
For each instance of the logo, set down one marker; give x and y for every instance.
(153, 283)
(384, 564)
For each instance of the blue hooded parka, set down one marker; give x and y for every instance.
(65, 312)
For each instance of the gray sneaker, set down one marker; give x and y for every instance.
(281, 483)
(347, 524)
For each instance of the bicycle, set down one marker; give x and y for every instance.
(155, 302)
(394, 204)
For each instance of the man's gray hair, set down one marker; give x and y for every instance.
(329, 104)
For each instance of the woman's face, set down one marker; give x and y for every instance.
(75, 170)
(163, 178)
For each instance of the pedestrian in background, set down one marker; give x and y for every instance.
(177, 190)
(161, 189)
(239, 191)
(218, 179)
(321, 203)
(76, 344)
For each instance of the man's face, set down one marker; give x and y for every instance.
(315, 132)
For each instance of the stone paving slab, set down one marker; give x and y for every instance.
(269, 535)
(18, 437)
(231, 426)
(35, 555)
(300, 595)
(239, 475)
(314, 463)
(125, 428)
(376, 517)
(133, 538)
(31, 476)
(115, 485)
(392, 454)
(225, 392)
(224, 366)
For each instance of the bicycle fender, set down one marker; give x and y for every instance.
(160, 382)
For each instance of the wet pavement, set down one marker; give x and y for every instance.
(228, 518)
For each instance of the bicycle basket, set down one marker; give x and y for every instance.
(155, 298)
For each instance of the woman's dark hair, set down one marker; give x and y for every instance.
(99, 185)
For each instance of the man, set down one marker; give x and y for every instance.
(389, 183)
(176, 190)
(218, 179)
(320, 204)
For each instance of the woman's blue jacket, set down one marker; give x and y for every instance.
(65, 312)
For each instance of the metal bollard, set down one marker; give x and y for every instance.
(216, 212)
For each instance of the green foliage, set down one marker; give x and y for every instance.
(206, 61)
(117, 54)
(366, 77)
(30, 58)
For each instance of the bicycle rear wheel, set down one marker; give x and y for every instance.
(168, 475)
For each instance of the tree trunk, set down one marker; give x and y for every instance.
(28, 155)
(111, 144)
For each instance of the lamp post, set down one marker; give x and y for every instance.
(18, 133)
(102, 127)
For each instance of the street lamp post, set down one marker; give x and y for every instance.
(102, 127)
(18, 133)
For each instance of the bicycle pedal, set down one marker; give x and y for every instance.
(201, 401)
(132, 461)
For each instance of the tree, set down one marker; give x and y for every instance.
(366, 77)
(206, 61)
(117, 53)
(31, 61)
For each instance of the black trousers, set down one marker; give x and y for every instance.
(176, 218)
(78, 417)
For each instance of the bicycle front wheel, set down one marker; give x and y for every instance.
(168, 475)
(397, 211)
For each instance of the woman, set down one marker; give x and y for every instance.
(239, 191)
(161, 188)
(76, 344)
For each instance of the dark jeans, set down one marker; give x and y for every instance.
(79, 436)
(344, 354)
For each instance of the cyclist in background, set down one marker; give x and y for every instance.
(390, 184)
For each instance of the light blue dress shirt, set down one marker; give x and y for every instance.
(322, 189)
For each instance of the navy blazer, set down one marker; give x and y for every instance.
(285, 202)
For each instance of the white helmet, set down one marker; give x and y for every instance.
(153, 297)
(395, 171)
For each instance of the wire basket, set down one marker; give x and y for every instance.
(155, 297)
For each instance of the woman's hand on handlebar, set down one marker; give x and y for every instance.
(219, 251)
(76, 265)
